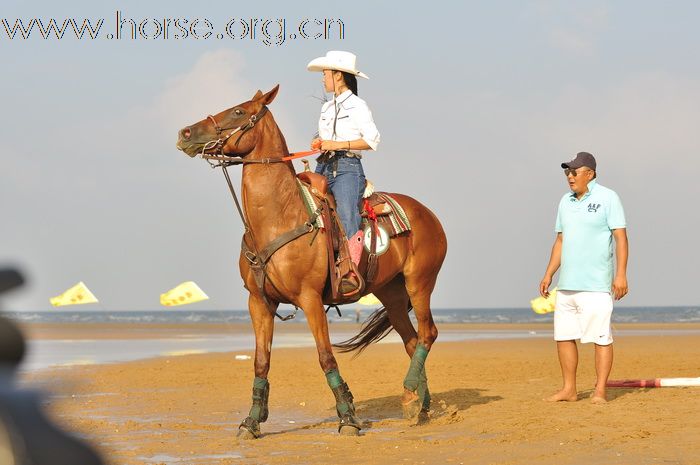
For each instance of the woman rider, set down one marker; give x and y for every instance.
(344, 129)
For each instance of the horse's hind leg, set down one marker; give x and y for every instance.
(416, 397)
(395, 298)
(344, 406)
(263, 325)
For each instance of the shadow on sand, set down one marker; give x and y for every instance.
(612, 393)
(389, 408)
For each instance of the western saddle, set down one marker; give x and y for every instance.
(337, 247)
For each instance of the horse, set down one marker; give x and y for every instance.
(297, 272)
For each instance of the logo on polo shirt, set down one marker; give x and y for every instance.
(593, 207)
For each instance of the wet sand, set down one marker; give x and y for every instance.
(487, 404)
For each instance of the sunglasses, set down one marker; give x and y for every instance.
(573, 172)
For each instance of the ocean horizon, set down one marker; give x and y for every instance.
(676, 314)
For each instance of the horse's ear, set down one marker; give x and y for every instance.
(257, 95)
(270, 96)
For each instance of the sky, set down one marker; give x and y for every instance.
(477, 104)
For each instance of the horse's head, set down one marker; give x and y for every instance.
(232, 132)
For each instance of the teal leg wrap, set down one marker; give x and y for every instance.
(343, 400)
(258, 411)
(417, 367)
(334, 379)
(343, 404)
(261, 391)
(423, 392)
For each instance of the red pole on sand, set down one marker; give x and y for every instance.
(634, 383)
(656, 382)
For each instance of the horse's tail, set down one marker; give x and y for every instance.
(375, 328)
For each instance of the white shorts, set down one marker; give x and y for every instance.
(583, 315)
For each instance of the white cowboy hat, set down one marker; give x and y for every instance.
(336, 60)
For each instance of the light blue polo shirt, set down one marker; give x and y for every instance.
(586, 226)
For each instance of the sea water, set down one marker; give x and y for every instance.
(687, 314)
(44, 353)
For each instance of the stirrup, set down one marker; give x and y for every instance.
(350, 285)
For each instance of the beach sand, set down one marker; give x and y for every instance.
(487, 405)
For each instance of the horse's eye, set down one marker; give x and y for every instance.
(238, 111)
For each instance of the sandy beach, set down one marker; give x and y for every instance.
(487, 403)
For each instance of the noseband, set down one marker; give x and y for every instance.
(218, 144)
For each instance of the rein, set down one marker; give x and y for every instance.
(264, 161)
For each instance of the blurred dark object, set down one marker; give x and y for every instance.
(27, 437)
(11, 344)
(11, 340)
(10, 279)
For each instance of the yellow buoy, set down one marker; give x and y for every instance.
(186, 293)
(76, 295)
(544, 305)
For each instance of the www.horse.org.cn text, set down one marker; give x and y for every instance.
(268, 31)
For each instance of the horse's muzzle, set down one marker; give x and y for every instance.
(183, 142)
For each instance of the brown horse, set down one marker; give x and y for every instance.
(297, 272)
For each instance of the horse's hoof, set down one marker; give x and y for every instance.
(349, 431)
(349, 425)
(244, 434)
(423, 418)
(411, 409)
(249, 429)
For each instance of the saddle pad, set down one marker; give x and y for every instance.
(396, 221)
(310, 202)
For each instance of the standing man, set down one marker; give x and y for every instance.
(588, 219)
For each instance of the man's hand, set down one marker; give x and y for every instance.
(316, 144)
(619, 287)
(544, 286)
(619, 284)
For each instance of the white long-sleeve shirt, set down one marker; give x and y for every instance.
(354, 120)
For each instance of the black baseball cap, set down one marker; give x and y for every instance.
(582, 159)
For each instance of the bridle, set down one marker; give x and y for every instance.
(218, 144)
(218, 159)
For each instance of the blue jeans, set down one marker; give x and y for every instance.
(347, 187)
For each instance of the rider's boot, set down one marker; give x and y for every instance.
(350, 282)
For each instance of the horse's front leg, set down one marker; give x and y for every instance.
(344, 406)
(263, 324)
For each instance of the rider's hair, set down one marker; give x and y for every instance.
(350, 81)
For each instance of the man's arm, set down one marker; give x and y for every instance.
(552, 267)
(619, 284)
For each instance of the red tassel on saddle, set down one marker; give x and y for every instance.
(370, 211)
(372, 216)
